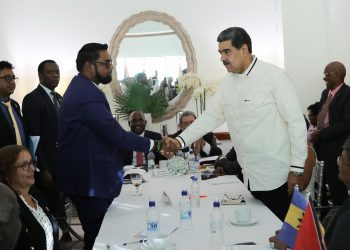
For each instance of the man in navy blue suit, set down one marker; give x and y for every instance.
(91, 142)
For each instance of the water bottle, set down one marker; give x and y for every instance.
(192, 162)
(185, 212)
(150, 163)
(152, 217)
(216, 225)
(195, 199)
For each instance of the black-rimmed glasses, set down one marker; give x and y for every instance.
(26, 165)
(108, 64)
(9, 78)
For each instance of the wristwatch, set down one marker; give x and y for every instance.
(297, 173)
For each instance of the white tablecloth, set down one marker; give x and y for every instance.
(126, 216)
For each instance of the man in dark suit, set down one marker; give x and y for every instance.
(137, 125)
(333, 127)
(12, 130)
(40, 115)
(91, 142)
(205, 146)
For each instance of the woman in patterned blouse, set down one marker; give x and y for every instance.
(39, 229)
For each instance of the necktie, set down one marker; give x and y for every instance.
(139, 158)
(322, 115)
(55, 101)
(14, 123)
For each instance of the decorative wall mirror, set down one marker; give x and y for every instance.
(144, 18)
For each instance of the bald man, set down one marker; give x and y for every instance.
(10, 224)
(333, 127)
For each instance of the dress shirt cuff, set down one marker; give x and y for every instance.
(182, 142)
(206, 148)
(151, 145)
(296, 169)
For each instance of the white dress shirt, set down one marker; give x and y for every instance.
(265, 122)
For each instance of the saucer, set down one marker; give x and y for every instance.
(170, 246)
(239, 223)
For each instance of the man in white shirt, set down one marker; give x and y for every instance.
(260, 106)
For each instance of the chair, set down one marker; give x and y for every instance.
(72, 219)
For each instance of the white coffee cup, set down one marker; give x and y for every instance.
(157, 241)
(243, 215)
(163, 164)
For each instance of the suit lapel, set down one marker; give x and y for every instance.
(47, 100)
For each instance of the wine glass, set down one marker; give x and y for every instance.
(136, 180)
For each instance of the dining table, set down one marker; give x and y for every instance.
(124, 225)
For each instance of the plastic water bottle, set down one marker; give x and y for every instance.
(152, 217)
(185, 212)
(192, 162)
(216, 224)
(150, 163)
(195, 199)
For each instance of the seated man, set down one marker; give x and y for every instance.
(137, 125)
(313, 110)
(228, 165)
(205, 146)
(337, 232)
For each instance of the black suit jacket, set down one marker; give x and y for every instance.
(331, 139)
(337, 234)
(151, 135)
(32, 235)
(41, 119)
(7, 133)
(208, 138)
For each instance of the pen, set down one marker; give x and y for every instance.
(133, 242)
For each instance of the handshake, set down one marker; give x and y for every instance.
(167, 146)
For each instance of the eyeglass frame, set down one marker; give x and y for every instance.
(329, 74)
(108, 64)
(9, 78)
(26, 165)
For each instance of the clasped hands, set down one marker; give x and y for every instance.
(170, 146)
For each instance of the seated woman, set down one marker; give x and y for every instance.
(39, 229)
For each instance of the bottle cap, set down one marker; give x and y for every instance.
(151, 203)
(216, 204)
(184, 192)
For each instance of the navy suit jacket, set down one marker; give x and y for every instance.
(91, 143)
(41, 119)
(128, 155)
(7, 132)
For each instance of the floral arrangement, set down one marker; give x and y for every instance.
(189, 81)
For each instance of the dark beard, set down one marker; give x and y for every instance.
(104, 80)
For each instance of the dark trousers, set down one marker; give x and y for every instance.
(91, 211)
(277, 200)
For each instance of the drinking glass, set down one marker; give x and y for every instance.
(136, 180)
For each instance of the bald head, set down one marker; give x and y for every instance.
(334, 74)
(137, 122)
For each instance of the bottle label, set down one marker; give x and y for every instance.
(152, 226)
(186, 215)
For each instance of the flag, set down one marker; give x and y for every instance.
(293, 219)
(310, 234)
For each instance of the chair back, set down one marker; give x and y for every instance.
(318, 185)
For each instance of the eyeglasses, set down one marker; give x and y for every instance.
(9, 78)
(328, 74)
(108, 64)
(26, 165)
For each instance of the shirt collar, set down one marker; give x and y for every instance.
(47, 90)
(251, 66)
(335, 91)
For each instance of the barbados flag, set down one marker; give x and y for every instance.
(293, 219)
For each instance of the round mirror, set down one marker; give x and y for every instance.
(143, 28)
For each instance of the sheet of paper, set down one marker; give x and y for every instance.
(226, 179)
(210, 158)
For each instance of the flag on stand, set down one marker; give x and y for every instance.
(293, 219)
(310, 234)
